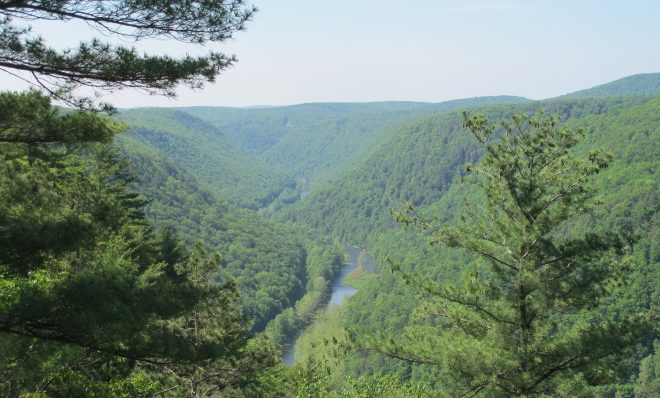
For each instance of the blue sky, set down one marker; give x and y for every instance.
(297, 51)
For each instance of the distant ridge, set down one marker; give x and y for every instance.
(319, 140)
(368, 106)
(645, 83)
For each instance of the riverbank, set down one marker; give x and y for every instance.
(340, 290)
(358, 278)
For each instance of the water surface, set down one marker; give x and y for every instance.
(340, 291)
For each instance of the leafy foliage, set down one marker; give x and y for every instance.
(628, 194)
(94, 300)
(266, 261)
(217, 163)
(320, 141)
(526, 319)
(418, 166)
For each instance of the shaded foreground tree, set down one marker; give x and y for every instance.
(105, 66)
(216, 323)
(531, 315)
(93, 300)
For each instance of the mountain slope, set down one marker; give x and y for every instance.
(418, 166)
(266, 260)
(628, 189)
(646, 83)
(206, 153)
(319, 141)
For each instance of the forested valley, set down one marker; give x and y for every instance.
(497, 246)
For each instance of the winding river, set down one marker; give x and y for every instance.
(340, 291)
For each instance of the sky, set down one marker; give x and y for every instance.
(299, 51)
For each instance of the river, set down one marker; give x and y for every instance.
(340, 291)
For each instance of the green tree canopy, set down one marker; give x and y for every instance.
(530, 317)
(93, 300)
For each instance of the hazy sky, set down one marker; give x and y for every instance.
(297, 51)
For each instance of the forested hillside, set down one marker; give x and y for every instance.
(319, 141)
(107, 294)
(408, 157)
(485, 247)
(405, 170)
(266, 262)
(205, 152)
(418, 166)
(96, 298)
(185, 167)
(282, 272)
(646, 83)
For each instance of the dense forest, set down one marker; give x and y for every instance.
(419, 160)
(628, 192)
(176, 252)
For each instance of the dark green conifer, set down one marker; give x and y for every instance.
(104, 66)
(93, 301)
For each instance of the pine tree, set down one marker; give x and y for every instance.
(91, 303)
(228, 363)
(104, 66)
(529, 317)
